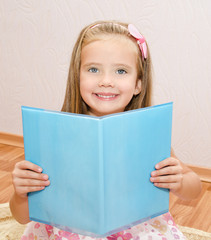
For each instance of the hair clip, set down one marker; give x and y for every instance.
(140, 39)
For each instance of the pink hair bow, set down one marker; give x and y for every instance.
(140, 39)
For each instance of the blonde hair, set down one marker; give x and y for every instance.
(73, 101)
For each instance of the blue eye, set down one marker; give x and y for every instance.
(93, 70)
(121, 71)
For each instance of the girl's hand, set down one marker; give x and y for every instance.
(28, 177)
(168, 174)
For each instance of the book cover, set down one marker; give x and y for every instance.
(99, 167)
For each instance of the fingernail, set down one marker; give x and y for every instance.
(45, 177)
(47, 182)
(39, 169)
(156, 166)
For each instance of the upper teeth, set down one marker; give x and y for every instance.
(103, 96)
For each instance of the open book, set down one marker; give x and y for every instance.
(99, 167)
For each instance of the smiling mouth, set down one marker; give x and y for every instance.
(106, 96)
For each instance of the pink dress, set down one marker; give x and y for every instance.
(160, 228)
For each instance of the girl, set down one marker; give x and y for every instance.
(110, 72)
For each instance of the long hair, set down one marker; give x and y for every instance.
(73, 101)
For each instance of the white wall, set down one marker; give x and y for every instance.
(37, 36)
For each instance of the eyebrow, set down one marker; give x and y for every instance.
(99, 64)
(122, 65)
(91, 64)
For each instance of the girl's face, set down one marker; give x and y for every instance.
(108, 75)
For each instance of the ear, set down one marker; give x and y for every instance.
(138, 87)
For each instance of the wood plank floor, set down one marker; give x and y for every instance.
(196, 213)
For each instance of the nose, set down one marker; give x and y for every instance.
(106, 81)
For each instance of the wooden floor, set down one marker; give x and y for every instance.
(195, 214)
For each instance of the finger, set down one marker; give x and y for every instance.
(167, 162)
(28, 165)
(170, 170)
(27, 189)
(19, 182)
(171, 186)
(167, 179)
(29, 174)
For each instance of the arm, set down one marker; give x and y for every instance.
(173, 174)
(27, 177)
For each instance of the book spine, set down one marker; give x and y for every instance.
(101, 178)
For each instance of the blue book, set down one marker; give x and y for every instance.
(99, 167)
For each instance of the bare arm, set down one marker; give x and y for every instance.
(19, 208)
(173, 174)
(27, 177)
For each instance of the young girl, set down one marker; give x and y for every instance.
(110, 72)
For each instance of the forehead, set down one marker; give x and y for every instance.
(128, 41)
(111, 46)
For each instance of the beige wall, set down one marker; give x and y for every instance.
(36, 39)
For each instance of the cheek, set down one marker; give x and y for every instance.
(128, 88)
(86, 89)
(87, 81)
(84, 84)
(83, 89)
